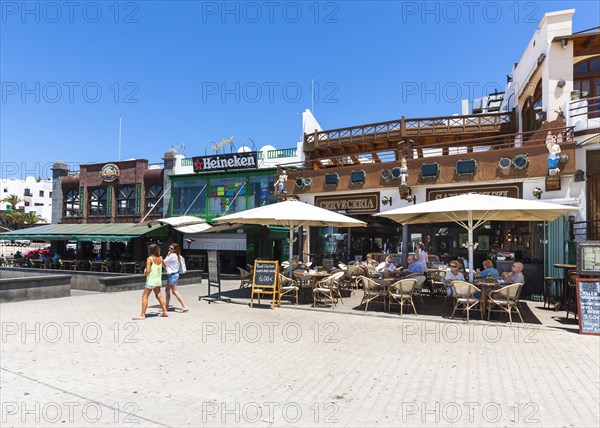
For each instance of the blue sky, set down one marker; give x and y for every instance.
(199, 72)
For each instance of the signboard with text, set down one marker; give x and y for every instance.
(351, 203)
(513, 190)
(224, 162)
(588, 305)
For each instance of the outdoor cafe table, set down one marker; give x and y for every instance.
(127, 267)
(67, 264)
(484, 292)
(565, 291)
(313, 278)
(97, 265)
(38, 263)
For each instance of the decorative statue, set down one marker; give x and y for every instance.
(280, 183)
(554, 155)
(403, 172)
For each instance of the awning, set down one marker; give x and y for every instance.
(108, 232)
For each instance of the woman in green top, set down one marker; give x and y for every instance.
(153, 272)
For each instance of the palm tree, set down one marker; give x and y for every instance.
(12, 200)
(32, 218)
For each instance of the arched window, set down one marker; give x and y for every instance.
(71, 204)
(586, 80)
(532, 111)
(153, 194)
(126, 201)
(98, 202)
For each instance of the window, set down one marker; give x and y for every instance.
(5, 190)
(227, 195)
(71, 204)
(586, 79)
(26, 203)
(41, 193)
(153, 194)
(27, 192)
(98, 202)
(38, 204)
(50, 195)
(126, 201)
(260, 191)
(189, 196)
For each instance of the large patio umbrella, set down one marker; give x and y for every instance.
(472, 210)
(291, 214)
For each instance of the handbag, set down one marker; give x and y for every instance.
(182, 267)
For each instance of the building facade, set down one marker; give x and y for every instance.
(36, 195)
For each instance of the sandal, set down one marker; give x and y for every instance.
(185, 309)
(139, 318)
(163, 315)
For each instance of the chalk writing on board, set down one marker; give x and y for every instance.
(265, 273)
(588, 299)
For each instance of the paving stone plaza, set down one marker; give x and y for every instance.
(82, 361)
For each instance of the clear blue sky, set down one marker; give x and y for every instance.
(196, 72)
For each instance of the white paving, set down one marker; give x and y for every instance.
(82, 361)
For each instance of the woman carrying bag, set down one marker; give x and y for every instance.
(175, 265)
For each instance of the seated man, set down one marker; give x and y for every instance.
(413, 266)
(388, 265)
(515, 275)
(489, 270)
(453, 275)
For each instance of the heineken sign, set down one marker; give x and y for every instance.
(225, 161)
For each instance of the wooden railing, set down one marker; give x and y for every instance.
(444, 125)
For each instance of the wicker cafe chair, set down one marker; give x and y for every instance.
(436, 278)
(464, 294)
(372, 292)
(287, 286)
(328, 289)
(418, 290)
(245, 278)
(505, 300)
(571, 303)
(402, 292)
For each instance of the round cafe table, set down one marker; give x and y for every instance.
(565, 291)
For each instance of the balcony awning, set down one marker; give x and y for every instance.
(112, 232)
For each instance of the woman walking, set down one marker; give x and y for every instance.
(153, 272)
(173, 263)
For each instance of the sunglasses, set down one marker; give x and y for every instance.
(453, 266)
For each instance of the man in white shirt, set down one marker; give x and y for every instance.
(388, 264)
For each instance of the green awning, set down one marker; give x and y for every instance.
(109, 232)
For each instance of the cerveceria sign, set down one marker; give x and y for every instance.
(514, 190)
(352, 204)
(225, 161)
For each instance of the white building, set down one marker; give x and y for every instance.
(36, 195)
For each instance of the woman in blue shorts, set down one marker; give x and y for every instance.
(173, 262)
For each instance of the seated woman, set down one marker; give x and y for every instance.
(370, 261)
(453, 275)
(489, 270)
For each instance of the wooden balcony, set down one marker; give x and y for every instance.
(422, 127)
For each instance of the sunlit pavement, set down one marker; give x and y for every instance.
(82, 361)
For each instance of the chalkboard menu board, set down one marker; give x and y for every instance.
(213, 268)
(265, 273)
(588, 305)
(265, 280)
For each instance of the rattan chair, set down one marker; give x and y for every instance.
(464, 294)
(373, 291)
(437, 281)
(505, 300)
(287, 286)
(402, 292)
(245, 278)
(418, 290)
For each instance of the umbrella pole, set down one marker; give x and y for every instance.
(470, 231)
(290, 251)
